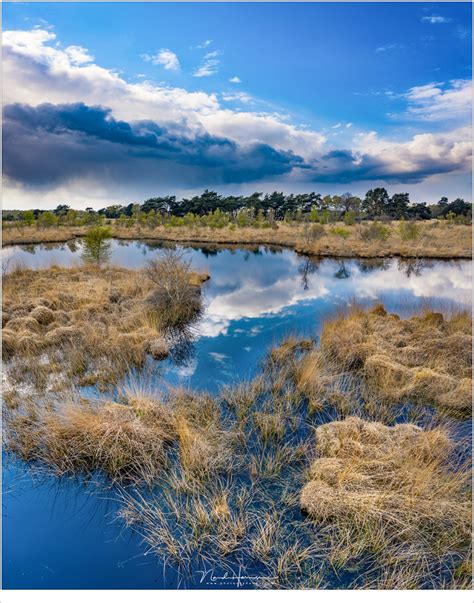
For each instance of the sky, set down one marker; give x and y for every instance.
(110, 103)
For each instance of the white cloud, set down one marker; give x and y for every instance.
(205, 44)
(435, 19)
(221, 358)
(165, 57)
(387, 47)
(38, 70)
(440, 101)
(235, 80)
(423, 154)
(237, 96)
(209, 66)
(78, 55)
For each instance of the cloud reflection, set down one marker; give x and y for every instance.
(247, 292)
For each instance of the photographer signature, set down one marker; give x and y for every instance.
(226, 579)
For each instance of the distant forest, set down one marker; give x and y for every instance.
(376, 205)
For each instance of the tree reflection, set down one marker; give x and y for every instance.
(413, 266)
(72, 245)
(371, 264)
(184, 351)
(342, 272)
(308, 267)
(28, 249)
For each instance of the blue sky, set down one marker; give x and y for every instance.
(324, 96)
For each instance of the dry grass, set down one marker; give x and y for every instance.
(387, 507)
(390, 494)
(425, 358)
(130, 441)
(86, 326)
(434, 239)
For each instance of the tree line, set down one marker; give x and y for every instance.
(243, 210)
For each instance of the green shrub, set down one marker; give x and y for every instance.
(314, 215)
(314, 232)
(325, 216)
(463, 220)
(340, 232)
(47, 219)
(96, 245)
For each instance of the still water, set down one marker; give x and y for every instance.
(61, 534)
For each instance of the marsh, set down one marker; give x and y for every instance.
(254, 299)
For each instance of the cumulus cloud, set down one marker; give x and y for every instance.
(375, 158)
(165, 57)
(78, 55)
(37, 71)
(69, 119)
(50, 144)
(235, 80)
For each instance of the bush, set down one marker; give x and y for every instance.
(314, 232)
(374, 232)
(409, 231)
(463, 220)
(349, 218)
(176, 300)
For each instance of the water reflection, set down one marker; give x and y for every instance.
(255, 297)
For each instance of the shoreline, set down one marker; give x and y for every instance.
(287, 237)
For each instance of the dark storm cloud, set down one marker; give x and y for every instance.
(51, 144)
(344, 166)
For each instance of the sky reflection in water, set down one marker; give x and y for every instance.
(60, 534)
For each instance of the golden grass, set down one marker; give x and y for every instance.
(426, 358)
(389, 493)
(435, 239)
(129, 441)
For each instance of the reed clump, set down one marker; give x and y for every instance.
(129, 441)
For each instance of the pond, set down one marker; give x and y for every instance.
(62, 534)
